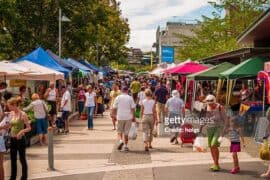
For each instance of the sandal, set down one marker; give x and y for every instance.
(215, 168)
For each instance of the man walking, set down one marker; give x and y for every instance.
(175, 109)
(66, 106)
(124, 111)
(135, 88)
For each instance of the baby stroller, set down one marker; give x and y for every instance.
(60, 123)
(187, 134)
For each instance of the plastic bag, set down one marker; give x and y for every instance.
(199, 144)
(154, 132)
(132, 135)
(264, 151)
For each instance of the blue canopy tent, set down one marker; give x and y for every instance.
(78, 65)
(61, 61)
(93, 67)
(41, 57)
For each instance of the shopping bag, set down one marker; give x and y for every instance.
(264, 151)
(154, 132)
(199, 144)
(137, 112)
(132, 135)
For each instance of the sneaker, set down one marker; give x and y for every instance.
(172, 139)
(235, 170)
(125, 149)
(120, 145)
(215, 168)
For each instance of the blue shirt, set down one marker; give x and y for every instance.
(161, 94)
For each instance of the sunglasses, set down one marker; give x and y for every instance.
(210, 101)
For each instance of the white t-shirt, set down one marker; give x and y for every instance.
(174, 105)
(148, 105)
(52, 95)
(67, 106)
(141, 97)
(90, 99)
(124, 105)
(39, 108)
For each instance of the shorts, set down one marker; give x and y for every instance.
(65, 115)
(213, 133)
(123, 126)
(53, 107)
(42, 126)
(235, 147)
(160, 107)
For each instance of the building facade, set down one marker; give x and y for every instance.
(170, 36)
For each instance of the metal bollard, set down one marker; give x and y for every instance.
(50, 149)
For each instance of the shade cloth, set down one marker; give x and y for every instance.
(211, 73)
(78, 65)
(39, 72)
(248, 68)
(187, 68)
(60, 61)
(41, 57)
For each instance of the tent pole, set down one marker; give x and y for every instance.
(263, 102)
(194, 94)
(186, 89)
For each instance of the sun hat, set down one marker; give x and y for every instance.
(210, 98)
(175, 93)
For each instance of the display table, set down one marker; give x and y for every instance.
(249, 112)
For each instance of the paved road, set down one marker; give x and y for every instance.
(92, 155)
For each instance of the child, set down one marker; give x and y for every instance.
(235, 135)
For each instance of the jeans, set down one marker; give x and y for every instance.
(90, 114)
(18, 145)
(80, 106)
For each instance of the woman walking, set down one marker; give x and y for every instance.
(81, 99)
(149, 119)
(90, 104)
(216, 122)
(40, 111)
(19, 126)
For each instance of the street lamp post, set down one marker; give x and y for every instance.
(60, 32)
(61, 19)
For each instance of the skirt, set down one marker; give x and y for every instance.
(235, 147)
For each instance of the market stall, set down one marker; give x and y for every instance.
(41, 57)
(184, 70)
(211, 74)
(248, 70)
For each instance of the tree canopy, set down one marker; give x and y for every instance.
(96, 32)
(218, 34)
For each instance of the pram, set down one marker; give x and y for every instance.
(60, 123)
(187, 134)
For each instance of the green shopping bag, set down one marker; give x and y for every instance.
(137, 112)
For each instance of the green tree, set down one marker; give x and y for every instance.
(219, 33)
(97, 32)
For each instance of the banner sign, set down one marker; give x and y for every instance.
(167, 54)
(17, 83)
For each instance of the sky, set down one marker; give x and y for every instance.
(144, 16)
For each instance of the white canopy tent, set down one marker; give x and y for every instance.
(10, 71)
(161, 67)
(39, 72)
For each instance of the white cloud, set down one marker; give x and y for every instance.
(145, 16)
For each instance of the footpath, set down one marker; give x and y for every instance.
(84, 154)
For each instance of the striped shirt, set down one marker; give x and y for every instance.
(234, 135)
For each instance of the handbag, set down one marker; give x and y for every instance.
(46, 111)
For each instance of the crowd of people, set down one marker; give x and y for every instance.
(155, 98)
